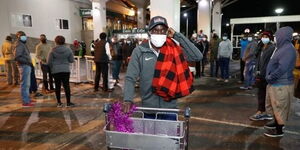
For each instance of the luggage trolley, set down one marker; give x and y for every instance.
(151, 134)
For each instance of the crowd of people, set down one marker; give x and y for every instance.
(54, 63)
(165, 66)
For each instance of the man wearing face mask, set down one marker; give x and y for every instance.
(224, 56)
(244, 42)
(148, 61)
(280, 78)
(264, 52)
(22, 56)
(42, 51)
(249, 59)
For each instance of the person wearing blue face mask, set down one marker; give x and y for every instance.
(22, 56)
(264, 52)
(224, 56)
(244, 43)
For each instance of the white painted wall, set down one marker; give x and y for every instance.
(4, 24)
(170, 9)
(44, 14)
(204, 17)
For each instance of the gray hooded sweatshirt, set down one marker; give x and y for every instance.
(59, 59)
(142, 65)
(283, 60)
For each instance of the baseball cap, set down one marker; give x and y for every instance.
(157, 20)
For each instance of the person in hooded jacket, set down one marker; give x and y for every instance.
(280, 79)
(59, 60)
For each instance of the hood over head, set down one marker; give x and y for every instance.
(284, 36)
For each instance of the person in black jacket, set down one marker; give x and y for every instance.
(264, 52)
(117, 58)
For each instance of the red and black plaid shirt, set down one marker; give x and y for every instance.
(172, 77)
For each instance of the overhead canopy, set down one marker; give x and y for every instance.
(270, 19)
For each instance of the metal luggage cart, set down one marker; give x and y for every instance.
(151, 134)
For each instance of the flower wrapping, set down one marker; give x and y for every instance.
(119, 120)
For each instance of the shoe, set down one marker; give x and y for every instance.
(271, 125)
(273, 133)
(226, 81)
(70, 105)
(219, 79)
(243, 88)
(59, 105)
(28, 105)
(261, 116)
(38, 94)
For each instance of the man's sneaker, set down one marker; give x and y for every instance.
(243, 88)
(226, 81)
(28, 105)
(273, 133)
(271, 126)
(60, 105)
(261, 116)
(38, 94)
(70, 104)
(219, 79)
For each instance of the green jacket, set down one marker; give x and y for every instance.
(142, 65)
(42, 51)
(214, 45)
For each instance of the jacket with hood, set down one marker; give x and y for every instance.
(283, 59)
(142, 66)
(59, 59)
(22, 54)
(225, 49)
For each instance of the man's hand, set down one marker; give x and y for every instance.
(126, 106)
(171, 32)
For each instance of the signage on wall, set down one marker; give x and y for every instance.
(85, 12)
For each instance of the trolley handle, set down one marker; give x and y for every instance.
(186, 112)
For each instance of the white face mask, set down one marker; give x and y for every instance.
(250, 39)
(204, 39)
(158, 40)
(224, 38)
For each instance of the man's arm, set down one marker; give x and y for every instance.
(38, 52)
(107, 48)
(285, 60)
(189, 49)
(133, 71)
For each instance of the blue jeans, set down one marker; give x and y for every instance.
(161, 116)
(249, 74)
(116, 66)
(25, 71)
(224, 65)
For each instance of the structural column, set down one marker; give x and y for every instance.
(99, 17)
(170, 9)
(204, 16)
(217, 17)
(141, 21)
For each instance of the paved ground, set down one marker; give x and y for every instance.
(219, 120)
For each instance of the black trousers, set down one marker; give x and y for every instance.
(46, 73)
(101, 68)
(261, 94)
(242, 64)
(198, 69)
(64, 78)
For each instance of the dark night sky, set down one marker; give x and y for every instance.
(251, 8)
